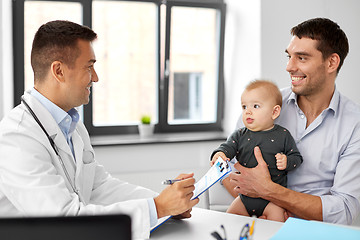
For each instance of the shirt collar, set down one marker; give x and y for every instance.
(292, 98)
(58, 114)
(334, 103)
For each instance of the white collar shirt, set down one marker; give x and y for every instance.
(330, 147)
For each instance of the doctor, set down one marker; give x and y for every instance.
(59, 175)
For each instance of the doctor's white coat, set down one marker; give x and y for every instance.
(33, 182)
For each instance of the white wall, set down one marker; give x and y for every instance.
(242, 54)
(148, 165)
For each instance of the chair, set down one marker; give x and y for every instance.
(219, 198)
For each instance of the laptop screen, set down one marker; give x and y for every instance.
(103, 227)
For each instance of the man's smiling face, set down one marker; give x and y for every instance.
(306, 66)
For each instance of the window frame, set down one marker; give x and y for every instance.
(88, 109)
(163, 81)
(163, 98)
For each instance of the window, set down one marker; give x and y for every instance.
(154, 57)
(187, 101)
(127, 65)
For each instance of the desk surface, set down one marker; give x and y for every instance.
(203, 222)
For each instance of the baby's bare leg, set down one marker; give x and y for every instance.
(237, 207)
(274, 212)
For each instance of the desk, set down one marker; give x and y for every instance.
(203, 222)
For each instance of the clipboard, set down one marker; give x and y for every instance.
(219, 170)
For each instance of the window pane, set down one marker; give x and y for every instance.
(37, 13)
(193, 77)
(126, 53)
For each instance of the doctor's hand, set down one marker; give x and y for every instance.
(186, 214)
(252, 182)
(175, 199)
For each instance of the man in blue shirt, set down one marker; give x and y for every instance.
(326, 127)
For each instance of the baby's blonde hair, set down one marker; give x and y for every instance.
(270, 86)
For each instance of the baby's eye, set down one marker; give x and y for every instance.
(256, 106)
(243, 107)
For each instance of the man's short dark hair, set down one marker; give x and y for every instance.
(57, 41)
(330, 36)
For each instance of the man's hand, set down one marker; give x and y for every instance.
(175, 199)
(281, 161)
(256, 182)
(217, 155)
(252, 182)
(186, 214)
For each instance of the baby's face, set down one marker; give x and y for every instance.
(258, 109)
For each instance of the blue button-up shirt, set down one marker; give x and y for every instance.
(66, 120)
(330, 147)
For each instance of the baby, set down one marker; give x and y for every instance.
(261, 103)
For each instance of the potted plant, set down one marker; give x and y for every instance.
(146, 128)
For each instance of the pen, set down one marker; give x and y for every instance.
(170, 181)
(244, 234)
(251, 231)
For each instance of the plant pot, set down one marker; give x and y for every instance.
(146, 130)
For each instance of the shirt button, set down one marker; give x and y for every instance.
(302, 116)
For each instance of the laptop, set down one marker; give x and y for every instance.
(100, 227)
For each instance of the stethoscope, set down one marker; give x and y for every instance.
(53, 145)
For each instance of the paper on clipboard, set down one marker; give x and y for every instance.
(219, 170)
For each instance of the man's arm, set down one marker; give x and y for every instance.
(256, 182)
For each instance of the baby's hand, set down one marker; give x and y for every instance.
(281, 161)
(217, 155)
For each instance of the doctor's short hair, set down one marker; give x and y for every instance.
(331, 38)
(271, 88)
(57, 41)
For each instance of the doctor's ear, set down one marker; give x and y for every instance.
(57, 70)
